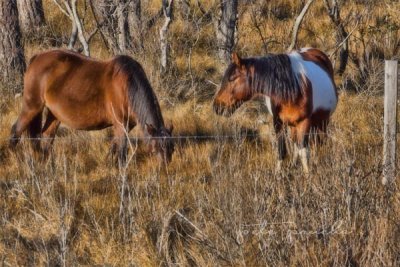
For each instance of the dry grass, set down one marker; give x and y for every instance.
(219, 203)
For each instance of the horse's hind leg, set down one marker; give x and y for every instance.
(319, 126)
(48, 132)
(321, 131)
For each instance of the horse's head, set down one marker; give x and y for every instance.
(235, 87)
(161, 142)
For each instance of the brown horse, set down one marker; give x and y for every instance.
(89, 94)
(299, 89)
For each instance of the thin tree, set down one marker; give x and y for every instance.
(136, 25)
(164, 45)
(31, 15)
(226, 26)
(184, 10)
(69, 8)
(297, 23)
(122, 25)
(12, 59)
(333, 9)
(111, 17)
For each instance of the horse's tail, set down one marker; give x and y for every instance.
(142, 99)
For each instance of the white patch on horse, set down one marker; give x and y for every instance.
(323, 91)
(268, 103)
(304, 154)
(305, 49)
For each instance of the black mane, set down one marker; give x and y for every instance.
(141, 95)
(273, 76)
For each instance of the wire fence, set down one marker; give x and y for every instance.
(185, 137)
(336, 136)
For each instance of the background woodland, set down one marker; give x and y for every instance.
(219, 202)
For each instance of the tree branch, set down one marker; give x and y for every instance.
(79, 26)
(168, 13)
(297, 23)
(61, 8)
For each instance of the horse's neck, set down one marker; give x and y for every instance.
(158, 123)
(141, 96)
(153, 114)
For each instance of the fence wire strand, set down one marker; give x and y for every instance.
(182, 137)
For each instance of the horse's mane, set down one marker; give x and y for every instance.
(274, 76)
(141, 95)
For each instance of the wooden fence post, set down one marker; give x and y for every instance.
(389, 138)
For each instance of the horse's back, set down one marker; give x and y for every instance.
(55, 61)
(69, 84)
(319, 58)
(315, 65)
(58, 69)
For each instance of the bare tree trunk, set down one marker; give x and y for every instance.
(73, 37)
(31, 15)
(168, 13)
(123, 30)
(103, 11)
(135, 25)
(112, 19)
(226, 29)
(341, 34)
(12, 60)
(81, 35)
(70, 10)
(184, 8)
(297, 23)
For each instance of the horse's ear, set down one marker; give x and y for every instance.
(236, 59)
(151, 129)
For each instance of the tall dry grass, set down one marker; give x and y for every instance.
(218, 203)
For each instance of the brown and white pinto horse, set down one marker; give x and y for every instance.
(299, 89)
(88, 94)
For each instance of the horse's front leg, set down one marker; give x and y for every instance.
(48, 133)
(303, 135)
(119, 147)
(280, 135)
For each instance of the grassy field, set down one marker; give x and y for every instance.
(219, 202)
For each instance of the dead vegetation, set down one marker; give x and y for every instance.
(219, 203)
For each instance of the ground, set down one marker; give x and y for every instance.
(219, 202)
